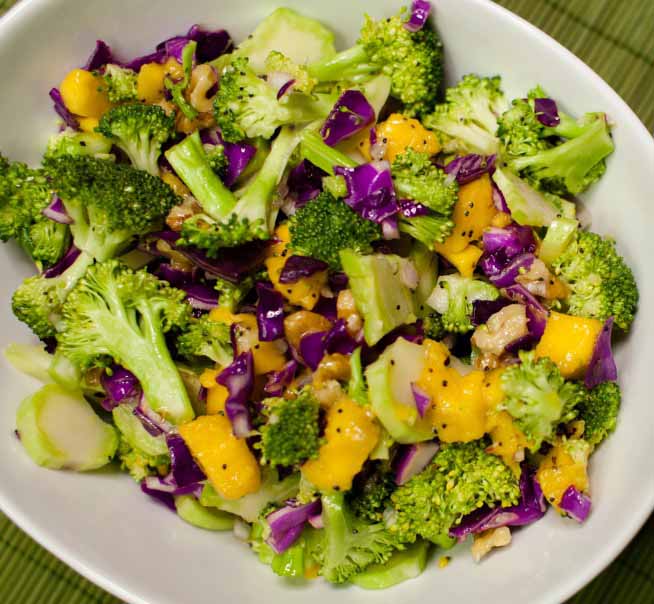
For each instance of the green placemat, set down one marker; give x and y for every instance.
(616, 38)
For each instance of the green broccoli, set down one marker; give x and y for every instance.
(467, 120)
(325, 226)
(140, 131)
(120, 314)
(217, 159)
(121, 83)
(599, 410)
(246, 106)
(453, 298)
(24, 194)
(601, 284)
(291, 563)
(227, 221)
(460, 479)
(314, 149)
(291, 434)
(347, 545)
(539, 398)
(206, 341)
(278, 63)
(231, 295)
(412, 60)
(71, 142)
(432, 326)
(371, 491)
(357, 389)
(178, 89)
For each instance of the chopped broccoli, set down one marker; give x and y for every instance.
(325, 226)
(227, 221)
(206, 340)
(539, 398)
(246, 106)
(412, 60)
(178, 89)
(291, 434)
(217, 159)
(121, 83)
(24, 194)
(453, 297)
(601, 284)
(114, 312)
(71, 142)
(427, 229)
(599, 410)
(432, 326)
(371, 491)
(467, 121)
(347, 545)
(460, 479)
(140, 131)
(278, 63)
(230, 295)
(314, 149)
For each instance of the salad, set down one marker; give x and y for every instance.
(318, 299)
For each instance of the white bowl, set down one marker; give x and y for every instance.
(102, 525)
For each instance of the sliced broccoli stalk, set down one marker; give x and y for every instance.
(315, 150)
(121, 83)
(117, 313)
(30, 359)
(356, 387)
(63, 372)
(425, 262)
(379, 293)
(428, 230)
(453, 299)
(71, 142)
(60, 430)
(134, 433)
(529, 206)
(192, 511)
(402, 566)
(335, 186)
(140, 131)
(177, 89)
(278, 63)
(389, 390)
(560, 234)
(599, 411)
(250, 506)
(302, 39)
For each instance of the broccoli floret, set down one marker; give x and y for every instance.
(227, 221)
(204, 341)
(539, 398)
(24, 194)
(467, 121)
(71, 142)
(291, 434)
(120, 314)
(453, 297)
(121, 83)
(600, 282)
(432, 326)
(325, 226)
(412, 60)
(246, 106)
(599, 410)
(217, 159)
(230, 295)
(138, 464)
(140, 131)
(347, 544)
(427, 229)
(371, 491)
(278, 63)
(460, 479)
(110, 204)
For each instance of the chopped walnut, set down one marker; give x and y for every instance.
(539, 281)
(486, 541)
(346, 309)
(328, 393)
(504, 327)
(302, 323)
(203, 79)
(332, 367)
(179, 213)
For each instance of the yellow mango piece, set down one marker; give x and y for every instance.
(501, 220)
(267, 356)
(222, 315)
(88, 124)
(84, 93)
(351, 434)
(216, 399)
(507, 439)
(569, 342)
(473, 212)
(175, 183)
(493, 392)
(400, 133)
(464, 261)
(173, 68)
(208, 377)
(227, 461)
(560, 470)
(150, 83)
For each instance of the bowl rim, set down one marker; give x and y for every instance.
(22, 12)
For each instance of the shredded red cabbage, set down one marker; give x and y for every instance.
(100, 56)
(470, 167)
(312, 348)
(421, 398)
(482, 310)
(120, 385)
(279, 380)
(351, 114)
(238, 155)
(419, 14)
(183, 467)
(162, 497)
(410, 209)
(602, 367)
(299, 267)
(238, 378)
(338, 340)
(65, 262)
(547, 112)
(304, 183)
(515, 268)
(201, 297)
(575, 504)
(270, 313)
(56, 211)
(536, 312)
(413, 459)
(287, 523)
(69, 119)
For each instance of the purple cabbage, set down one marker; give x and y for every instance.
(299, 267)
(121, 385)
(183, 467)
(327, 308)
(238, 378)
(312, 348)
(69, 119)
(175, 276)
(482, 310)
(287, 523)
(162, 497)
(304, 182)
(507, 276)
(284, 88)
(536, 312)
(201, 297)
(279, 380)
(512, 240)
(413, 459)
(470, 167)
(351, 114)
(575, 504)
(159, 56)
(390, 228)
(498, 199)
(419, 14)
(530, 509)
(65, 262)
(211, 43)
(100, 56)
(421, 398)
(338, 340)
(547, 112)
(270, 313)
(56, 211)
(602, 367)
(370, 190)
(411, 209)
(151, 420)
(238, 155)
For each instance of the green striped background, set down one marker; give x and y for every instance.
(616, 38)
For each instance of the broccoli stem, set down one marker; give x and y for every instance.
(190, 162)
(350, 62)
(336, 525)
(314, 149)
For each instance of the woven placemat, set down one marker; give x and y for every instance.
(614, 37)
